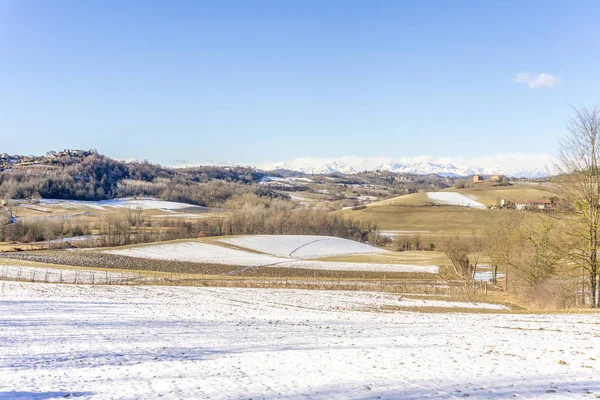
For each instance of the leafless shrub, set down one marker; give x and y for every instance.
(553, 294)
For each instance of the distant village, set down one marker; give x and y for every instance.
(8, 161)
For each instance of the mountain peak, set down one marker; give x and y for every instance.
(414, 168)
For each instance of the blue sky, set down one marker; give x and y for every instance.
(192, 81)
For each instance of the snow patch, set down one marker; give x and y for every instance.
(453, 199)
(301, 246)
(198, 252)
(145, 204)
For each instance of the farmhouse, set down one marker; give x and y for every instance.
(534, 205)
(478, 178)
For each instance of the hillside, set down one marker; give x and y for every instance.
(485, 193)
(421, 213)
(77, 175)
(490, 196)
(425, 220)
(445, 198)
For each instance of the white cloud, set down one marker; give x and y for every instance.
(539, 81)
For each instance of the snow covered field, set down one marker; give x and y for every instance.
(358, 266)
(194, 251)
(172, 342)
(282, 251)
(289, 180)
(453, 199)
(301, 246)
(145, 204)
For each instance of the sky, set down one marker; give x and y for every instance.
(256, 82)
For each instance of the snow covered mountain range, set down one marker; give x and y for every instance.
(417, 168)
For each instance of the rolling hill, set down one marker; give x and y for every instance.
(490, 196)
(430, 199)
(444, 212)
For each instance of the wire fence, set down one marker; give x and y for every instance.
(433, 286)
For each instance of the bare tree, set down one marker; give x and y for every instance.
(134, 215)
(464, 253)
(578, 164)
(6, 215)
(115, 229)
(498, 245)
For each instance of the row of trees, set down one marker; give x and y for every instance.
(40, 230)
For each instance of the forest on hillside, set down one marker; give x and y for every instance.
(97, 177)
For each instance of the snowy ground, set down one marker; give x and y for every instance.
(75, 239)
(290, 180)
(298, 196)
(394, 233)
(283, 252)
(180, 215)
(148, 342)
(193, 251)
(453, 199)
(65, 275)
(145, 204)
(301, 246)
